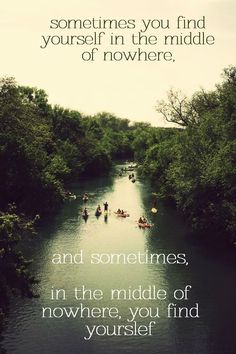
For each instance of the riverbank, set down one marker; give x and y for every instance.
(67, 232)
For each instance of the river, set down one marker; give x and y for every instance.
(210, 274)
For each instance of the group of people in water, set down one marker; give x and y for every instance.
(120, 211)
(98, 211)
(142, 221)
(131, 175)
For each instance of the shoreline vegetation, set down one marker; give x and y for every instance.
(45, 147)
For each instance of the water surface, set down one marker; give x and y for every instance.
(211, 276)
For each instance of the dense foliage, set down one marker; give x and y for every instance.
(196, 166)
(42, 147)
(15, 277)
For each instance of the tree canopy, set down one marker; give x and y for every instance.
(196, 167)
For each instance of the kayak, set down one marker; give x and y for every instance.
(125, 215)
(144, 226)
(72, 196)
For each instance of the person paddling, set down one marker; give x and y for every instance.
(85, 212)
(105, 207)
(98, 211)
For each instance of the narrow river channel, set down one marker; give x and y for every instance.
(210, 274)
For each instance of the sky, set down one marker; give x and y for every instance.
(126, 89)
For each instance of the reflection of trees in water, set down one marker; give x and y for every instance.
(2, 350)
(210, 274)
(95, 187)
(167, 236)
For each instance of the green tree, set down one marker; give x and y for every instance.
(15, 277)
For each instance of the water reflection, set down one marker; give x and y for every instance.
(27, 332)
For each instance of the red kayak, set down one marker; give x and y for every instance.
(124, 215)
(144, 225)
